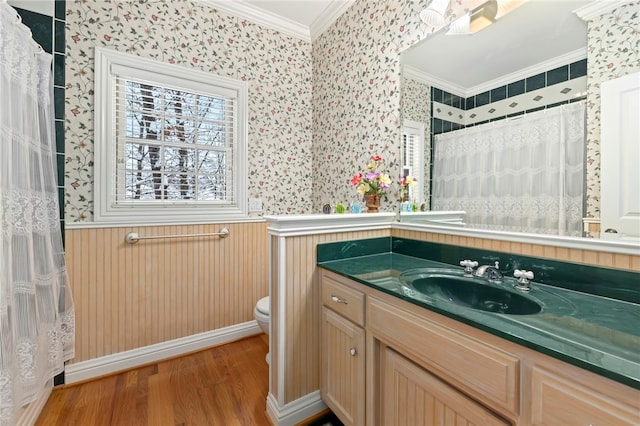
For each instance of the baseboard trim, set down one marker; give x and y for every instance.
(110, 364)
(294, 412)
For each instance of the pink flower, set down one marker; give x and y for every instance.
(373, 176)
(356, 179)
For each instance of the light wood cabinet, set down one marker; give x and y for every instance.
(425, 368)
(488, 373)
(343, 353)
(410, 395)
(559, 400)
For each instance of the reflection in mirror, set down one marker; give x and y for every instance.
(503, 112)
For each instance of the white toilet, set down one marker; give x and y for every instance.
(261, 314)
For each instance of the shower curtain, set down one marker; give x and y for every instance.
(519, 175)
(36, 308)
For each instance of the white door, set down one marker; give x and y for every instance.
(620, 158)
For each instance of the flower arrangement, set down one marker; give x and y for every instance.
(372, 182)
(405, 183)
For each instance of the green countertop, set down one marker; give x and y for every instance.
(596, 333)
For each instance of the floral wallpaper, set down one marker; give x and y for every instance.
(613, 51)
(189, 34)
(317, 113)
(356, 93)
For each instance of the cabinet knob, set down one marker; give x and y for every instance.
(338, 299)
(353, 351)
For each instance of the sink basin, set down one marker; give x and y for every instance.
(453, 287)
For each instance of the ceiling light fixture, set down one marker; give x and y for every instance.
(476, 20)
(434, 13)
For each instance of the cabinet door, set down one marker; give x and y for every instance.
(556, 400)
(343, 364)
(412, 396)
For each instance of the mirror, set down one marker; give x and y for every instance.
(533, 55)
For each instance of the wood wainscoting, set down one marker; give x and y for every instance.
(296, 372)
(129, 296)
(588, 257)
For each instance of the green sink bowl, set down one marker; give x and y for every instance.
(453, 287)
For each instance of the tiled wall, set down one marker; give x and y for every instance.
(452, 112)
(48, 32)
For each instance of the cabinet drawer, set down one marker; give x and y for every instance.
(484, 371)
(342, 299)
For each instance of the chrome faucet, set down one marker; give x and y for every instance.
(491, 272)
(523, 279)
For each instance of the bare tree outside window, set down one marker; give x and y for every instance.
(176, 144)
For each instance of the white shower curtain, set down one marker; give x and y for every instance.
(36, 308)
(520, 175)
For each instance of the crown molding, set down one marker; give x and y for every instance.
(597, 8)
(431, 80)
(331, 13)
(279, 23)
(262, 17)
(521, 74)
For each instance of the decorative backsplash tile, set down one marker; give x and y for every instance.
(560, 85)
(454, 118)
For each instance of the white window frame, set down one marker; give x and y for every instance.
(415, 129)
(110, 64)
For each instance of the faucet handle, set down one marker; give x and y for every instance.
(523, 279)
(468, 267)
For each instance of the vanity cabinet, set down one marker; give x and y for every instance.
(343, 352)
(410, 395)
(423, 368)
(560, 400)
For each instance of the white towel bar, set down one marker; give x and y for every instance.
(133, 237)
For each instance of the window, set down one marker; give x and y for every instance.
(170, 142)
(413, 156)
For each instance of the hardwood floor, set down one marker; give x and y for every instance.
(225, 385)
